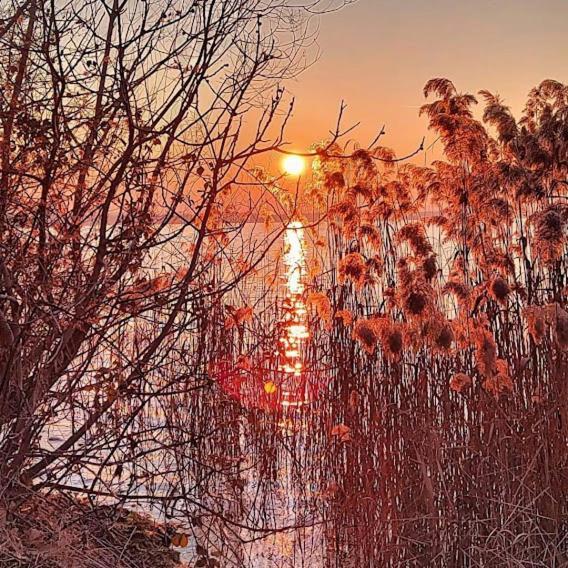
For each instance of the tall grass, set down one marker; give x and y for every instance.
(437, 433)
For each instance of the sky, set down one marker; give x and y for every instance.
(377, 55)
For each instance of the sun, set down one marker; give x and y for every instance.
(294, 165)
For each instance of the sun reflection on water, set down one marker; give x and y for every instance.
(294, 328)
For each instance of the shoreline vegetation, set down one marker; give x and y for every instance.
(59, 530)
(397, 395)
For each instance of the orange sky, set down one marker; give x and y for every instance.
(377, 55)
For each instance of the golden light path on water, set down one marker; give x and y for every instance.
(294, 321)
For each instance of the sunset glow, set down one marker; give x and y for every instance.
(284, 283)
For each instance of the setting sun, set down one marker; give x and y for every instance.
(294, 165)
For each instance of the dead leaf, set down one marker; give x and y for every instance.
(180, 539)
(342, 431)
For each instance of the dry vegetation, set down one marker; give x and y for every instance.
(57, 530)
(135, 348)
(456, 398)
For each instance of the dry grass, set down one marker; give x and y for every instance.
(56, 531)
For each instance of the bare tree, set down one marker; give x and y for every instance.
(127, 128)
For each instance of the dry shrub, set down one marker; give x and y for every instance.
(560, 321)
(363, 190)
(415, 303)
(468, 453)
(370, 234)
(346, 210)
(536, 321)
(353, 267)
(391, 337)
(54, 531)
(499, 288)
(414, 294)
(445, 337)
(550, 228)
(430, 267)
(345, 316)
(366, 333)
(459, 382)
(322, 305)
(388, 333)
(415, 235)
(498, 384)
(436, 332)
(551, 316)
(459, 289)
(238, 316)
(485, 352)
(364, 164)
